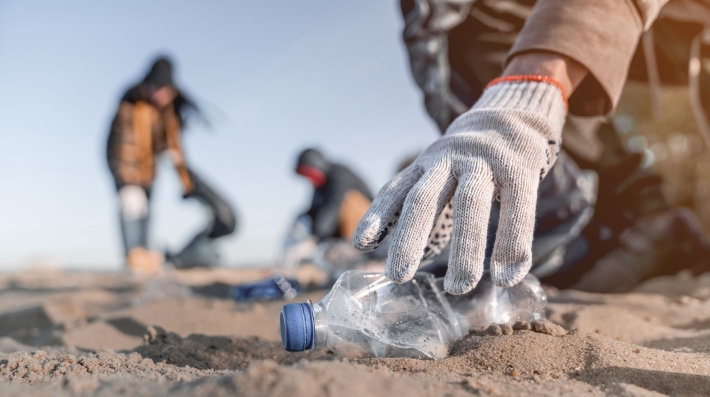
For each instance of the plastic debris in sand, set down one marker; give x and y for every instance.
(273, 288)
(367, 315)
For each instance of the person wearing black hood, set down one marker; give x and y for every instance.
(340, 198)
(149, 122)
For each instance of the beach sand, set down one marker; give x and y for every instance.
(91, 334)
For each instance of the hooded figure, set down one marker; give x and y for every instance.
(340, 197)
(149, 122)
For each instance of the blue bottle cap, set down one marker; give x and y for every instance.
(297, 327)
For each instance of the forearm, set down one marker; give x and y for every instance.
(566, 71)
(600, 36)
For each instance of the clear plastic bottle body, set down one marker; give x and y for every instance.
(367, 315)
(489, 304)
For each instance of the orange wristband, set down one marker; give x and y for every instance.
(529, 78)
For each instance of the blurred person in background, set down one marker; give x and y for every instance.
(149, 122)
(323, 234)
(580, 212)
(340, 198)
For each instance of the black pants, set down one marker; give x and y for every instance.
(200, 251)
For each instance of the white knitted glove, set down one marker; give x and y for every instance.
(501, 148)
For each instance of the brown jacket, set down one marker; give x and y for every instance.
(139, 133)
(457, 46)
(602, 35)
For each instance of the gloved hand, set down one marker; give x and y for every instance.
(501, 148)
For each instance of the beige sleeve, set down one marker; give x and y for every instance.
(649, 9)
(602, 35)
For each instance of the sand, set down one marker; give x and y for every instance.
(90, 334)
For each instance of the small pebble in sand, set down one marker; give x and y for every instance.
(522, 326)
(151, 335)
(544, 326)
(637, 351)
(506, 329)
(69, 358)
(494, 330)
(477, 331)
(499, 329)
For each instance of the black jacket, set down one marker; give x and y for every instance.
(328, 199)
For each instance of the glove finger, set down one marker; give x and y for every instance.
(423, 203)
(512, 252)
(441, 233)
(472, 209)
(382, 215)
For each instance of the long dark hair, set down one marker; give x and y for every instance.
(160, 75)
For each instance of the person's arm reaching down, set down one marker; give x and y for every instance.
(502, 147)
(506, 144)
(600, 35)
(567, 72)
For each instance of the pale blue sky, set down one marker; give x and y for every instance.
(275, 76)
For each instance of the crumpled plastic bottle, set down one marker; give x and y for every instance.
(367, 315)
(489, 304)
